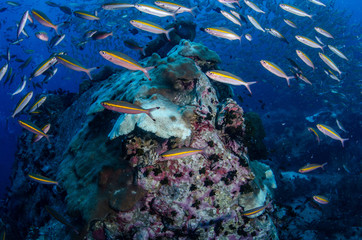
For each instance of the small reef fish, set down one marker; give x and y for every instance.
(60, 218)
(26, 63)
(44, 20)
(321, 199)
(3, 71)
(229, 3)
(331, 75)
(56, 40)
(14, 4)
(86, 15)
(174, 7)
(22, 103)
(231, 17)
(330, 132)
(248, 37)
(42, 36)
(255, 23)
(256, 210)
(312, 130)
(45, 129)
(238, 16)
(308, 42)
(117, 6)
(125, 107)
(273, 68)
(125, 61)
(330, 63)
(311, 167)
(155, 11)
(226, 77)
(65, 10)
(37, 104)
(340, 126)
(276, 34)
(99, 35)
(317, 2)
(89, 34)
(294, 10)
(305, 58)
(17, 41)
(73, 64)
(222, 32)
(22, 23)
(253, 6)
(43, 66)
(151, 27)
(32, 128)
(180, 153)
(21, 87)
(303, 78)
(337, 52)
(319, 40)
(134, 45)
(41, 179)
(323, 32)
(290, 23)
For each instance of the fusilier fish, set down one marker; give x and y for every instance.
(323, 32)
(308, 42)
(86, 15)
(226, 77)
(311, 167)
(180, 153)
(43, 66)
(273, 68)
(222, 32)
(337, 52)
(41, 179)
(45, 129)
(153, 10)
(3, 71)
(75, 65)
(315, 133)
(294, 10)
(290, 23)
(117, 6)
(305, 58)
(254, 211)
(330, 132)
(303, 78)
(56, 40)
(22, 23)
(231, 17)
(151, 27)
(319, 40)
(255, 23)
(330, 63)
(125, 107)
(248, 37)
(174, 7)
(125, 61)
(253, 6)
(44, 20)
(21, 87)
(238, 16)
(276, 34)
(32, 128)
(317, 2)
(42, 36)
(321, 199)
(22, 103)
(340, 126)
(37, 104)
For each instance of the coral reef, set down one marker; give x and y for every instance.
(113, 181)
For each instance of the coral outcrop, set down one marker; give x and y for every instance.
(113, 178)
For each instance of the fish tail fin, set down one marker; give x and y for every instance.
(89, 72)
(149, 112)
(247, 85)
(167, 33)
(47, 137)
(56, 28)
(148, 69)
(324, 165)
(288, 79)
(191, 11)
(343, 140)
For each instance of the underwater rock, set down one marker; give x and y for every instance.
(114, 180)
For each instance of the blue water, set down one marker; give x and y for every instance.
(283, 109)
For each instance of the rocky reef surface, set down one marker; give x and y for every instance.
(113, 183)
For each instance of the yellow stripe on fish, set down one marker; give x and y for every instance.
(124, 107)
(148, 24)
(180, 153)
(59, 57)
